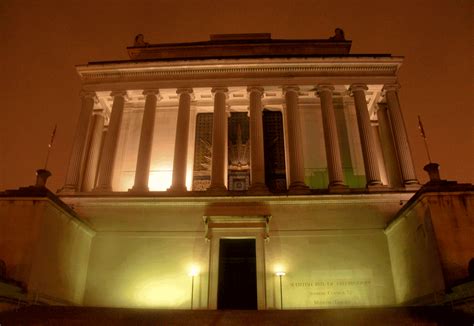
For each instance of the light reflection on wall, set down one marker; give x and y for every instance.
(160, 180)
(161, 293)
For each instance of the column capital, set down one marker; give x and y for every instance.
(324, 88)
(290, 88)
(256, 89)
(155, 92)
(88, 94)
(358, 87)
(391, 87)
(224, 90)
(119, 93)
(183, 90)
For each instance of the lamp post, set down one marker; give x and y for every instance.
(280, 275)
(193, 272)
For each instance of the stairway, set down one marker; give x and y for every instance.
(67, 315)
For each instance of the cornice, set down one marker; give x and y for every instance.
(145, 71)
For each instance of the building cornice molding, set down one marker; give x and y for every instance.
(308, 67)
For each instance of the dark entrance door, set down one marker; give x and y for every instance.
(237, 287)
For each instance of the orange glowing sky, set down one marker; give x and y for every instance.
(42, 41)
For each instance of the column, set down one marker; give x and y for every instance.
(142, 170)
(181, 141)
(257, 166)
(92, 158)
(400, 136)
(367, 140)
(295, 149)
(388, 147)
(110, 143)
(74, 169)
(219, 139)
(331, 139)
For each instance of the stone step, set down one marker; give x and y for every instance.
(66, 315)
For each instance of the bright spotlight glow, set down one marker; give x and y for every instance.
(193, 270)
(160, 180)
(279, 270)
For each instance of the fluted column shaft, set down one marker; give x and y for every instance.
(142, 170)
(75, 162)
(181, 142)
(372, 172)
(331, 139)
(257, 166)
(295, 148)
(388, 147)
(219, 138)
(110, 143)
(91, 164)
(400, 136)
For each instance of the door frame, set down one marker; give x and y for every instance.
(236, 227)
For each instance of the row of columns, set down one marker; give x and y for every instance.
(392, 127)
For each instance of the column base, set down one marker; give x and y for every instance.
(67, 189)
(376, 186)
(338, 188)
(217, 190)
(102, 189)
(258, 189)
(298, 188)
(412, 185)
(177, 189)
(139, 189)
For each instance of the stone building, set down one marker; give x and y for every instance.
(243, 172)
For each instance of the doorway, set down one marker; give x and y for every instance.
(237, 284)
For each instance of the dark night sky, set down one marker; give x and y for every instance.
(42, 41)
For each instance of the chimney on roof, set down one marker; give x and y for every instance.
(42, 176)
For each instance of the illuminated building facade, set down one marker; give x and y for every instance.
(238, 158)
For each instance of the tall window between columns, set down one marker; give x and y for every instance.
(202, 152)
(274, 151)
(238, 151)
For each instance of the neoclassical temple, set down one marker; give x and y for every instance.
(241, 112)
(243, 172)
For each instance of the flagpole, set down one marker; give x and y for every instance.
(423, 135)
(50, 145)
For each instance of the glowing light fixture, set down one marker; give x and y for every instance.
(193, 271)
(280, 274)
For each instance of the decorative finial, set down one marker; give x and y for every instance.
(433, 172)
(140, 40)
(42, 176)
(338, 35)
